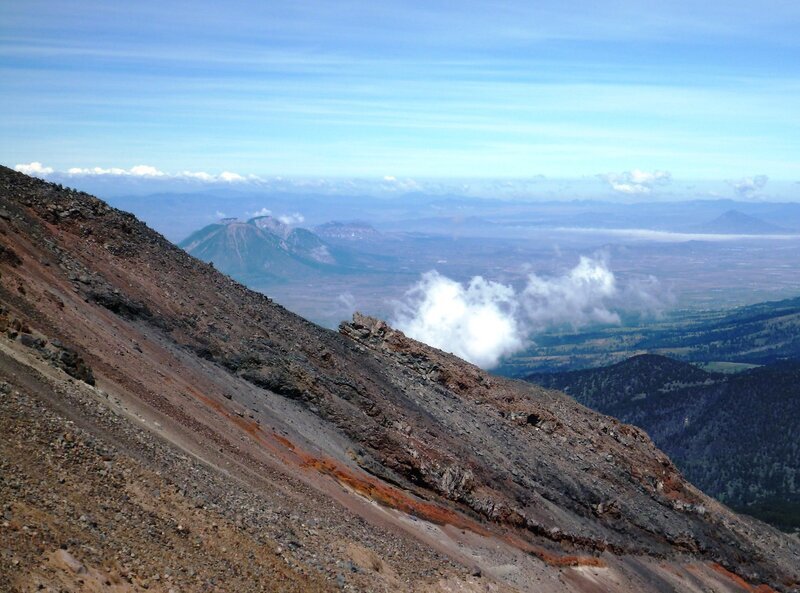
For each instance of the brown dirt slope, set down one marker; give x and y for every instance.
(145, 391)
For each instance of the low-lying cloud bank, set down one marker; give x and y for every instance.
(139, 171)
(483, 321)
(631, 184)
(636, 181)
(672, 236)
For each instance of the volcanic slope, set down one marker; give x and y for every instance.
(260, 247)
(164, 428)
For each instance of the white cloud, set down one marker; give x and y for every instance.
(290, 219)
(483, 321)
(636, 181)
(230, 177)
(670, 236)
(145, 171)
(476, 322)
(136, 171)
(748, 187)
(262, 212)
(576, 298)
(198, 175)
(35, 168)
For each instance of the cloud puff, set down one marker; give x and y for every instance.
(577, 298)
(262, 212)
(35, 168)
(290, 219)
(483, 321)
(199, 175)
(146, 171)
(636, 182)
(230, 177)
(748, 187)
(476, 322)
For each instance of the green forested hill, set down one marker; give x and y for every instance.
(737, 436)
(755, 335)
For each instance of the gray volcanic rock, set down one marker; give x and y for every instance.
(405, 461)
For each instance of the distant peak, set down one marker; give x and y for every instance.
(271, 225)
(737, 222)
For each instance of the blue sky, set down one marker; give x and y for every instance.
(407, 90)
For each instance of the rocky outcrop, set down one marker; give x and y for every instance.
(51, 350)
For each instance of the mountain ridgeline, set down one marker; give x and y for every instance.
(734, 435)
(165, 428)
(264, 248)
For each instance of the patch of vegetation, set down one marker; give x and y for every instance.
(780, 513)
(755, 335)
(735, 436)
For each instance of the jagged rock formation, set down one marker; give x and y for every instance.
(360, 459)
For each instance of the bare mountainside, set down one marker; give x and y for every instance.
(164, 428)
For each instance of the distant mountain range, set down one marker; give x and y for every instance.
(177, 214)
(347, 231)
(265, 248)
(734, 222)
(736, 436)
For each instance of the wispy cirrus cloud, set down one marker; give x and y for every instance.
(615, 84)
(636, 181)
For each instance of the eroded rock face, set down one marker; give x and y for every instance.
(55, 352)
(416, 431)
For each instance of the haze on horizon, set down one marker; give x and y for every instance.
(628, 100)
